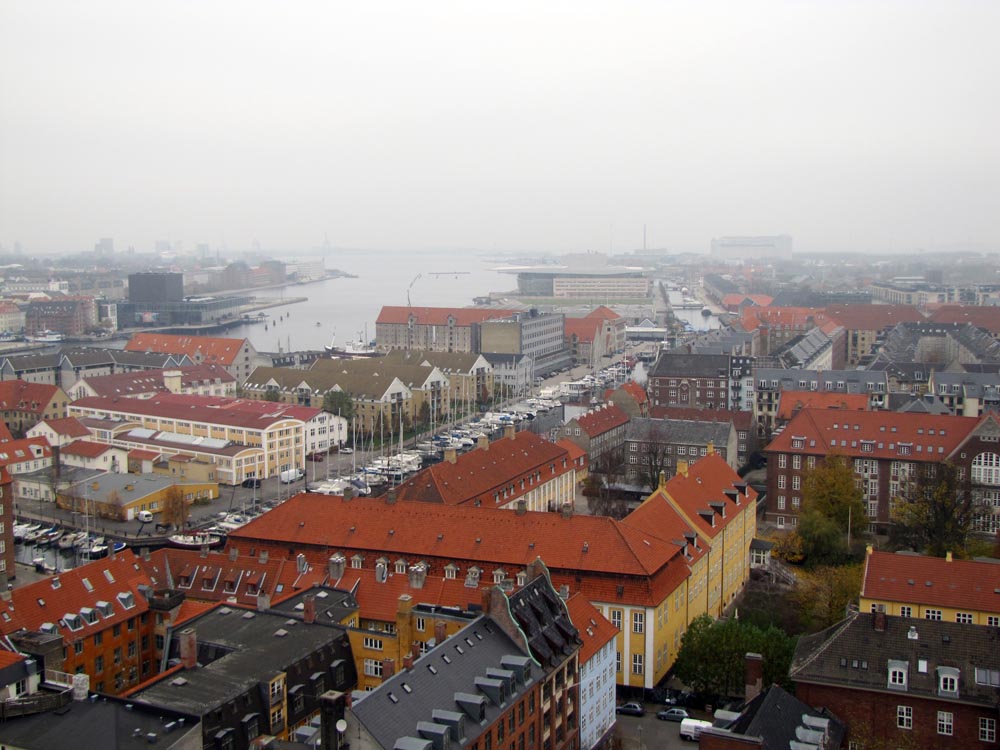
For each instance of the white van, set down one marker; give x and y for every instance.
(691, 729)
(145, 516)
(291, 475)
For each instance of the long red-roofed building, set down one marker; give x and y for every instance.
(522, 472)
(630, 570)
(237, 356)
(600, 432)
(981, 316)
(931, 588)
(887, 450)
(433, 329)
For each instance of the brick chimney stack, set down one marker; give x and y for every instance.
(309, 609)
(189, 648)
(440, 632)
(451, 455)
(388, 667)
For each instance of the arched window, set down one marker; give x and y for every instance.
(986, 469)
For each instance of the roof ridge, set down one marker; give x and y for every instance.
(830, 635)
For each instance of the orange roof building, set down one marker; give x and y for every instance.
(792, 402)
(522, 472)
(24, 404)
(931, 588)
(628, 569)
(237, 356)
(433, 329)
(600, 431)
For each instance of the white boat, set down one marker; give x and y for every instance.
(233, 521)
(357, 348)
(46, 337)
(196, 540)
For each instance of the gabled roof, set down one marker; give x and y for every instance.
(482, 473)
(599, 421)
(602, 312)
(778, 718)
(966, 585)
(439, 316)
(213, 350)
(85, 449)
(735, 300)
(796, 317)
(792, 402)
(461, 362)
(256, 415)
(673, 364)
(594, 628)
(19, 395)
(882, 434)
(709, 495)
(585, 329)
(66, 427)
(987, 317)
(142, 382)
(590, 543)
(51, 599)
(26, 449)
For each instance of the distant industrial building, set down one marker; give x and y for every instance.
(155, 287)
(745, 248)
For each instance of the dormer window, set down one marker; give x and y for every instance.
(73, 621)
(401, 566)
(89, 615)
(897, 674)
(106, 609)
(357, 561)
(948, 681)
(498, 575)
(450, 570)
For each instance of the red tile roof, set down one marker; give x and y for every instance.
(574, 451)
(700, 496)
(50, 599)
(732, 301)
(795, 317)
(742, 420)
(484, 475)
(599, 421)
(927, 437)
(19, 395)
(9, 658)
(127, 384)
(85, 449)
(586, 543)
(212, 350)
(438, 316)
(5, 436)
(67, 427)
(142, 455)
(604, 313)
(192, 608)
(16, 451)
(635, 390)
(595, 629)
(792, 402)
(965, 585)
(246, 413)
(987, 317)
(585, 329)
(873, 317)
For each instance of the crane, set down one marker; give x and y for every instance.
(415, 278)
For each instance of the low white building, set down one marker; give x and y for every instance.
(597, 671)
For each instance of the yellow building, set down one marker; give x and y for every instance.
(931, 588)
(123, 496)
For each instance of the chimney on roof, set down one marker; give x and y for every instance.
(521, 506)
(189, 648)
(418, 575)
(663, 479)
(754, 671)
(710, 449)
(388, 667)
(483, 442)
(309, 609)
(348, 493)
(335, 567)
(567, 510)
(440, 632)
(390, 496)
(451, 455)
(682, 468)
(263, 602)
(408, 662)
(947, 556)
(172, 380)
(878, 621)
(509, 431)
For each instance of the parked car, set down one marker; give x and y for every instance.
(631, 709)
(672, 714)
(347, 449)
(251, 482)
(318, 456)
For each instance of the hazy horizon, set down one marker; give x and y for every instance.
(514, 128)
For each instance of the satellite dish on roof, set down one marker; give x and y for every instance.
(341, 726)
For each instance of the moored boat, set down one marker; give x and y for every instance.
(196, 540)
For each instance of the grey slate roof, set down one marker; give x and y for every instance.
(803, 350)
(443, 681)
(779, 718)
(928, 342)
(854, 381)
(545, 621)
(643, 429)
(670, 364)
(852, 654)
(101, 723)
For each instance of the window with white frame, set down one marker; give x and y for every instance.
(897, 674)
(932, 614)
(373, 667)
(905, 611)
(618, 661)
(616, 618)
(986, 469)
(965, 618)
(636, 663)
(904, 717)
(781, 502)
(946, 723)
(638, 622)
(782, 481)
(987, 729)
(373, 643)
(796, 462)
(782, 461)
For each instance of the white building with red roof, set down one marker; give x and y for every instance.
(87, 454)
(59, 432)
(237, 356)
(597, 671)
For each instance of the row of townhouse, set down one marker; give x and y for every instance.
(683, 553)
(68, 365)
(887, 451)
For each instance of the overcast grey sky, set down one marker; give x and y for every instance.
(553, 126)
